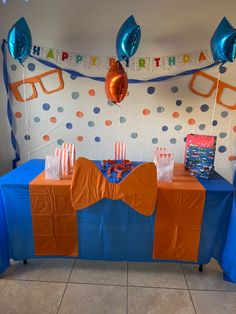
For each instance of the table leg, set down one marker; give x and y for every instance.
(200, 268)
(25, 261)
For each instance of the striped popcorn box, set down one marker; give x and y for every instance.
(119, 151)
(65, 162)
(72, 157)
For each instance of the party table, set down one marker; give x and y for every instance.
(110, 228)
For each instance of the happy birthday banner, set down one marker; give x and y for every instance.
(101, 63)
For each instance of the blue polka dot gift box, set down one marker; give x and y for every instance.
(200, 155)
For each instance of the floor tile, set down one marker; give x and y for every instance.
(163, 275)
(91, 299)
(155, 300)
(29, 297)
(3, 284)
(210, 279)
(214, 302)
(10, 270)
(99, 272)
(44, 269)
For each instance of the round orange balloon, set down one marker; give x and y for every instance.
(116, 83)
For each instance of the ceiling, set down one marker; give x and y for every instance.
(90, 26)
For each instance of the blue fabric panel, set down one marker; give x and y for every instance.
(16, 199)
(4, 254)
(228, 259)
(111, 230)
(217, 211)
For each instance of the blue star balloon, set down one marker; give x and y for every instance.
(19, 40)
(127, 40)
(223, 42)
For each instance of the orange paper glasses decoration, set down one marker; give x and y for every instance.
(32, 81)
(221, 87)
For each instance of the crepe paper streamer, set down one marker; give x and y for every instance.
(9, 109)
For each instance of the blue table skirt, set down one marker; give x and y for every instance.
(111, 230)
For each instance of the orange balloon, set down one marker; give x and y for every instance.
(116, 83)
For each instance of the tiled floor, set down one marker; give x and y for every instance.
(67, 286)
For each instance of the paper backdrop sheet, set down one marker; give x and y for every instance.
(152, 114)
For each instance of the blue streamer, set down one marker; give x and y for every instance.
(132, 81)
(9, 108)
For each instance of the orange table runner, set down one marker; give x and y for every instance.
(54, 219)
(179, 214)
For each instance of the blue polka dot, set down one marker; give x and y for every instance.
(173, 140)
(214, 122)
(27, 137)
(60, 109)
(178, 102)
(97, 139)
(122, 119)
(96, 109)
(110, 103)
(36, 119)
(31, 66)
(222, 149)
(222, 134)
(150, 90)
(134, 135)
(46, 107)
(60, 142)
(154, 140)
(174, 89)
(189, 109)
(164, 128)
(202, 127)
(222, 69)
(13, 67)
(224, 114)
(75, 95)
(178, 127)
(204, 108)
(73, 77)
(69, 125)
(160, 109)
(91, 124)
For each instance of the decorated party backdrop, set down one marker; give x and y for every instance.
(52, 107)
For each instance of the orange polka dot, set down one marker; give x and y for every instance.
(91, 92)
(231, 158)
(175, 114)
(53, 119)
(80, 138)
(234, 128)
(46, 138)
(108, 122)
(191, 121)
(146, 112)
(79, 114)
(18, 115)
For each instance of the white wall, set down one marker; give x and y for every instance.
(168, 27)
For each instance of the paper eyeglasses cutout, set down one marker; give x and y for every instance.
(42, 80)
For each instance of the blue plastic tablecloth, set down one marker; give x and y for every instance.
(112, 230)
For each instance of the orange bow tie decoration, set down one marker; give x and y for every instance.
(138, 189)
